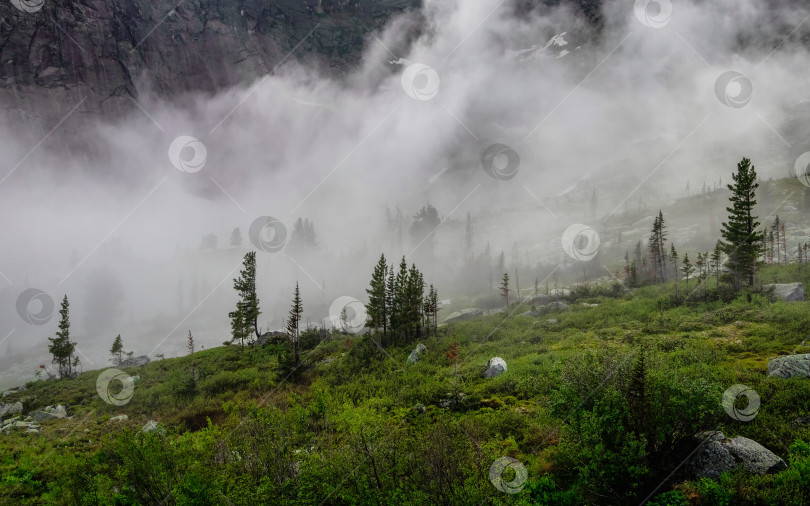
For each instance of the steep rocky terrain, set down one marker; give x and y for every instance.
(106, 50)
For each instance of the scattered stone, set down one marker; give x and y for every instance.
(10, 392)
(533, 312)
(32, 431)
(39, 416)
(15, 409)
(419, 408)
(559, 305)
(151, 425)
(135, 361)
(788, 292)
(464, 314)
(119, 418)
(720, 454)
(534, 299)
(553, 321)
(416, 354)
(20, 424)
(790, 366)
(495, 367)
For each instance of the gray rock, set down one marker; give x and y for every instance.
(553, 321)
(720, 454)
(39, 416)
(495, 367)
(419, 407)
(416, 354)
(21, 424)
(9, 392)
(4, 409)
(533, 312)
(557, 305)
(790, 366)
(135, 361)
(15, 409)
(59, 411)
(151, 426)
(32, 431)
(11, 421)
(464, 314)
(536, 299)
(119, 418)
(789, 292)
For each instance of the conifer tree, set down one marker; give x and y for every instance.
(390, 297)
(61, 347)
(117, 349)
(505, 288)
(245, 319)
(293, 323)
(741, 238)
(673, 258)
(686, 268)
(377, 307)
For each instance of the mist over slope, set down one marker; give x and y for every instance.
(95, 206)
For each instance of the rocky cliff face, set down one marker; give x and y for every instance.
(54, 53)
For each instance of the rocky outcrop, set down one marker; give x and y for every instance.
(111, 50)
(788, 292)
(719, 454)
(11, 409)
(464, 314)
(495, 367)
(790, 366)
(135, 361)
(416, 354)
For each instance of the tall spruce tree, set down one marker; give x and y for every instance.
(377, 307)
(505, 288)
(117, 349)
(61, 347)
(742, 240)
(293, 326)
(245, 319)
